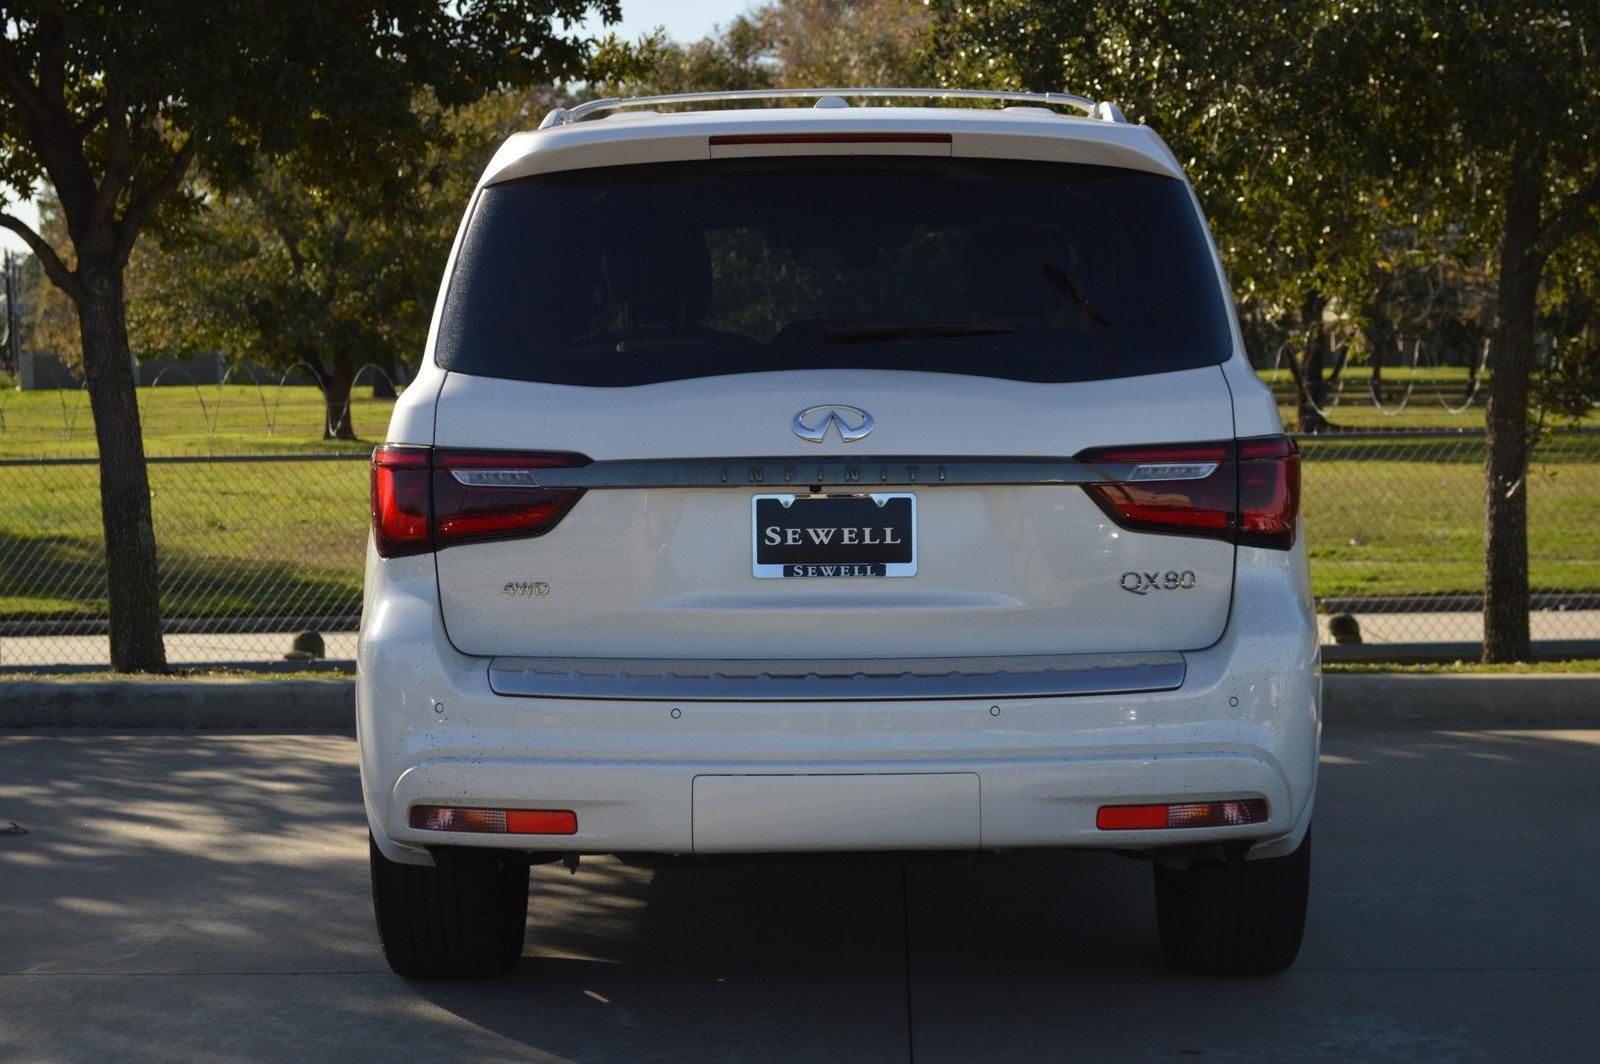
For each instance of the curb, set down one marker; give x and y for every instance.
(321, 705)
(1465, 698)
(294, 705)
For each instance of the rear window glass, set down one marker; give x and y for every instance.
(1028, 271)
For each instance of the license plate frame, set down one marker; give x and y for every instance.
(835, 568)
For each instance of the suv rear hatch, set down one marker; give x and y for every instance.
(697, 335)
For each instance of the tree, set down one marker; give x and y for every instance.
(1501, 101)
(1254, 101)
(114, 110)
(781, 44)
(1313, 131)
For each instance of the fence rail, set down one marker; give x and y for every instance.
(255, 547)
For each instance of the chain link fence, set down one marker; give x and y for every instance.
(255, 548)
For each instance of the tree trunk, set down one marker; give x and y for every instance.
(336, 394)
(1382, 337)
(383, 383)
(1311, 390)
(133, 581)
(1505, 601)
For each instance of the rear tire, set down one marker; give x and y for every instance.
(1239, 918)
(464, 918)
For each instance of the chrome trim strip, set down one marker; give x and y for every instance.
(851, 473)
(840, 680)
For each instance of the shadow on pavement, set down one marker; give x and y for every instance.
(204, 896)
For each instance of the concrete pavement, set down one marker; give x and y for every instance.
(204, 897)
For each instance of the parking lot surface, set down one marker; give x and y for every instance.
(203, 896)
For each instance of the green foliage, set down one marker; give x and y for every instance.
(781, 44)
(1353, 158)
(1252, 101)
(285, 272)
(112, 108)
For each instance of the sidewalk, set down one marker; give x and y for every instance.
(236, 647)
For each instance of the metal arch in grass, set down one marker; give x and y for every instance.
(1341, 361)
(1398, 409)
(205, 414)
(1472, 392)
(69, 421)
(260, 394)
(355, 380)
(272, 421)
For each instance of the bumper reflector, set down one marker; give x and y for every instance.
(494, 821)
(1185, 815)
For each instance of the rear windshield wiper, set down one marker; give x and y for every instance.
(867, 334)
(1098, 323)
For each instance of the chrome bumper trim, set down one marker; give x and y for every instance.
(844, 680)
(849, 473)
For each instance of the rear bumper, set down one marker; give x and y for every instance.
(744, 776)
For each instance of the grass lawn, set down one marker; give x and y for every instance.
(233, 419)
(1427, 398)
(1407, 519)
(235, 539)
(240, 539)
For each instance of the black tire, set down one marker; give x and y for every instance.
(1238, 918)
(464, 918)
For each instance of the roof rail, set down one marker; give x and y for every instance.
(562, 116)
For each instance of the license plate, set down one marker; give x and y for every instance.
(803, 536)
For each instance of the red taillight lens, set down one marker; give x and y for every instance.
(494, 821)
(1244, 492)
(425, 500)
(481, 495)
(1269, 491)
(1184, 489)
(733, 139)
(1181, 815)
(400, 500)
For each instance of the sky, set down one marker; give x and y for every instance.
(684, 20)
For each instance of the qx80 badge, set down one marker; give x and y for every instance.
(1144, 583)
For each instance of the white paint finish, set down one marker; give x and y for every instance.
(667, 573)
(750, 414)
(618, 808)
(974, 132)
(1001, 570)
(1255, 411)
(1037, 804)
(788, 813)
(1266, 659)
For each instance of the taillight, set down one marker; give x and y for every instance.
(424, 500)
(400, 500)
(485, 495)
(1245, 491)
(1269, 491)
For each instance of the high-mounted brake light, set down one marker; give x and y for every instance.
(731, 139)
(1181, 815)
(424, 499)
(1245, 491)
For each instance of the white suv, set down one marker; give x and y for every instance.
(836, 478)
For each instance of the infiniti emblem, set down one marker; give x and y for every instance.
(852, 422)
